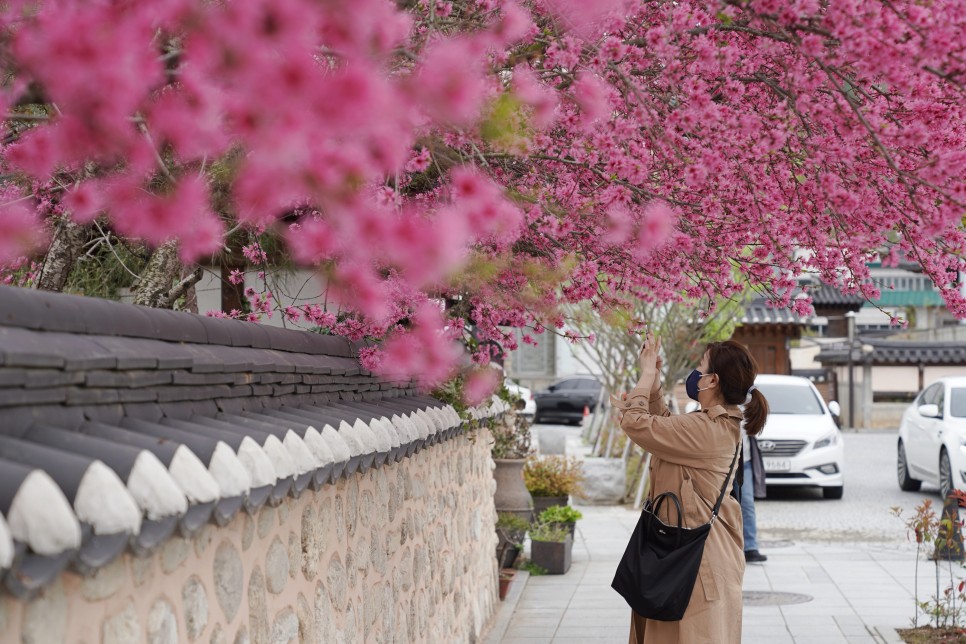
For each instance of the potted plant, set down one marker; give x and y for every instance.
(511, 530)
(511, 446)
(550, 547)
(562, 516)
(506, 577)
(552, 479)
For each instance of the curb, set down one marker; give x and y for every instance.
(508, 606)
(886, 634)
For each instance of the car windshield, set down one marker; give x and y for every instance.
(791, 399)
(957, 402)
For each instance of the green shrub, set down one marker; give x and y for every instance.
(560, 514)
(510, 521)
(553, 475)
(541, 531)
(511, 437)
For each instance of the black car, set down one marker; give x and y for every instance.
(565, 400)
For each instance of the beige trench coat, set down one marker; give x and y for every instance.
(690, 456)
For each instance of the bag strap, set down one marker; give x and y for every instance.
(655, 509)
(724, 487)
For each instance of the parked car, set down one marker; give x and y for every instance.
(565, 400)
(801, 444)
(524, 404)
(932, 438)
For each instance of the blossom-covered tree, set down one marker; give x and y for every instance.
(503, 156)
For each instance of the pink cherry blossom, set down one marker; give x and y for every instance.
(662, 150)
(480, 385)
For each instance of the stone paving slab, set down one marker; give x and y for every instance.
(860, 593)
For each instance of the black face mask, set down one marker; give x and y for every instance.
(691, 384)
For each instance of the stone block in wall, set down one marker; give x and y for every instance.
(276, 567)
(123, 627)
(258, 625)
(162, 624)
(195, 604)
(229, 579)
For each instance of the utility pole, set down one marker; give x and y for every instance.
(850, 319)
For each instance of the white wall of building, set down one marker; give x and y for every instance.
(297, 288)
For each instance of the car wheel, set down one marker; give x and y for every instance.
(833, 492)
(906, 482)
(945, 474)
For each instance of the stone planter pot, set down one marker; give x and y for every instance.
(541, 503)
(553, 556)
(511, 492)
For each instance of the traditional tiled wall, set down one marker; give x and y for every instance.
(401, 553)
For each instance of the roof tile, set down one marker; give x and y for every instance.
(179, 327)
(51, 378)
(15, 397)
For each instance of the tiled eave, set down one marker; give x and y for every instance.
(896, 352)
(121, 426)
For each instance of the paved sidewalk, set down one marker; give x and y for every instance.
(859, 593)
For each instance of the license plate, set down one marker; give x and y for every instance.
(777, 465)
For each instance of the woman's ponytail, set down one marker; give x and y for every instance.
(756, 413)
(737, 370)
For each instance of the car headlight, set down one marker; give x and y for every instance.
(826, 441)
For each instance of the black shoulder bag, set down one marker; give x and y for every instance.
(656, 575)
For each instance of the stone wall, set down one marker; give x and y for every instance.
(401, 553)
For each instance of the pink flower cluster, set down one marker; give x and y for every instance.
(662, 150)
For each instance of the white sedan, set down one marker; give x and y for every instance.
(524, 404)
(932, 438)
(801, 444)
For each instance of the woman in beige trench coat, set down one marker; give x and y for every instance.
(690, 456)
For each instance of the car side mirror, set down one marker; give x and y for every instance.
(835, 408)
(929, 411)
(552, 388)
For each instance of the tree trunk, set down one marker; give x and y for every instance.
(158, 277)
(186, 288)
(66, 245)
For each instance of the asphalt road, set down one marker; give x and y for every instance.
(863, 515)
